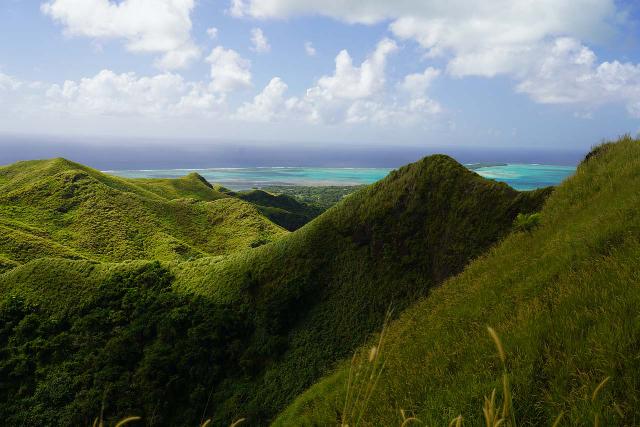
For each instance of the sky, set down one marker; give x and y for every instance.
(513, 74)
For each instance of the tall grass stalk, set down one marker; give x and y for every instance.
(364, 374)
(497, 415)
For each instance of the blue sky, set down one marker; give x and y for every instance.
(502, 73)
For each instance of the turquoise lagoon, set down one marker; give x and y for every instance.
(519, 176)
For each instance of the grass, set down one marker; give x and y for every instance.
(306, 300)
(57, 208)
(564, 294)
(254, 332)
(366, 368)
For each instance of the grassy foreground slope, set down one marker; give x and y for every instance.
(564, 298)
(58, 208)
(241, 335)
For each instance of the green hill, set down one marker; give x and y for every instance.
(281, 209)
(244, 334)
(58, 208)
(563, 297)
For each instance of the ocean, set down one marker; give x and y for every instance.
(518, 176)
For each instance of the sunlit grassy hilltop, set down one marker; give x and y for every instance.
(63, 209)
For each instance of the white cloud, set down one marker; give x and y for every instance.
(309, 49)
(229, 71)
(148, 26)
(108, 93)
(537, 43)
(567, 72)
(452, 23)
(351, 95)
(268, 105)
(418, 83)
(180, 58)
(259, 41)
(357, 94)
(212, 33)
(481, 38)
(351, 82)
(332, 96)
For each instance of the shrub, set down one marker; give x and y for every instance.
(526, 222)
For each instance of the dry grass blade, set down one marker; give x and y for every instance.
(618, 410)
(456, 422)
(498, 343)
(364, 374)
(489, 410)
(597, 390)
(127, 421)
(237, 423)
(206, 423)
(349, 389)
(409, 421)
(556, 423)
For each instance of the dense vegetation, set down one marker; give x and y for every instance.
(563, 296)
(321, 197)
(291, 309)
(282, 209)
(132, 346)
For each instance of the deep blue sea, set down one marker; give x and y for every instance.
(519, 176)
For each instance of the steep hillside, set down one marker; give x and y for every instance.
(61, 209)
(281, 209)
(290, 309)
(563, 297)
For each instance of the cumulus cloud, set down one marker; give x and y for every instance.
(569, 73)
(309, 49)
(355, 82)
(522, 39)
(229, 71)
(331, 98)
(359, 94)
(418, 83)
(259, 42)
(269, 105)
(148, 26)
(108, 93)
(353, 94)
(480, 38)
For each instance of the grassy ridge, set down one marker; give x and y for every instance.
(299, 304)
(564, 298)
(60, 208)
(317, 293)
